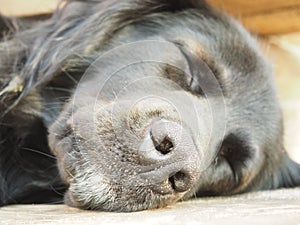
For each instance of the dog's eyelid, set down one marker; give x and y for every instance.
(193, 52)
(200, 65)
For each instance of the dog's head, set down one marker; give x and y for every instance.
(169, 100)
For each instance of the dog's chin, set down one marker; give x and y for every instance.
(93, 190)
(111, 201)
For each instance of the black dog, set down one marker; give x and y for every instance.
(142, 102)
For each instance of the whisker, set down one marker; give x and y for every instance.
(70, 77)
(39, 152)
(69, 173)
(57, 202)
(59, 89)
(56, 191)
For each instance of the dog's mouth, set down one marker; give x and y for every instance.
(99, 186)
(109, 203)
(95, 192)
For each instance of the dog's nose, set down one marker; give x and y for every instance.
(169, 151)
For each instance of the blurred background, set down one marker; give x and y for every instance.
(275, 23)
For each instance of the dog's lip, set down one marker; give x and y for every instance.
(70, 201)
(68, 174)
(60, 150)
(161, 200)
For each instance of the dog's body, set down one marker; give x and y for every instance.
(145, 103)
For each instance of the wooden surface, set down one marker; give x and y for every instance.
(259, 16)
(253, 7)
(280, 207)
(264, 16)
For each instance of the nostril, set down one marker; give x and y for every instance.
(164, 146)
(180, 182)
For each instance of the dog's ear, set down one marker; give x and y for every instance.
(287, 174)
(282, 173)
(14, 44)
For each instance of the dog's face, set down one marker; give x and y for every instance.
(174, 103)
(181, 108)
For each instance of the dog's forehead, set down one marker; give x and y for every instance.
(219, 38)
